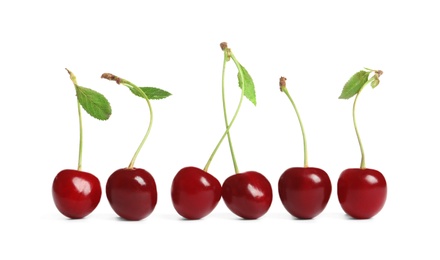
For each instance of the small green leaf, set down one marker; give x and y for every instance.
(375, 82)
(354, 84)
(94, 103)
(151, 92)
(249, 87)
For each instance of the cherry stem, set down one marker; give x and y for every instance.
(75, 84)
(228, 54)
(139, 90)
(80, 138)
(225, 60)
(135, 89)
(284, 89)
(355, 124)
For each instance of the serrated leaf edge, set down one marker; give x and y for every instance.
(149, 95)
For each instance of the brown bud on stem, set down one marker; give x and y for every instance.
(110, 76)
(223, 45)
(282, 83)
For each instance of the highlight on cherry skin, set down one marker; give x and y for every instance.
(76, 193)
(304, 191)
(195, 193)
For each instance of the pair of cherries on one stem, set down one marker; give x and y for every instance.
(195, 193)
(131, 191)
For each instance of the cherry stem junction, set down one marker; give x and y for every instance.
(138, 90)
(283, 88)
(362, 166)
(229, 54)
(75, 83)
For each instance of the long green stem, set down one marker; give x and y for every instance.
(233, 118)
(355, 124)
(241, 74)
(75, 84)
(131, 85)
(226, 57)
(80, 138)
(306, 163)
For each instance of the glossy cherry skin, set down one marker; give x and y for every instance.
(304, 191)
(362, 192)
(195, 193)
(248, 194)
(76, 193)
(132, 193)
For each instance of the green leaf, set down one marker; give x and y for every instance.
(354, 84)
(249, 87)
(151, 92)
(94, 103)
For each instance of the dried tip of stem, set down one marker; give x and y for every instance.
(282, 83)
(110, 76)
(72, 76)
(223, 45)
(379, 73)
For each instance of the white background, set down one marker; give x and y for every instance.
(174, 45)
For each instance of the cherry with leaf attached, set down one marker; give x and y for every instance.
(304, 191)
(247, 194)
(77, 193)
(362, 191)
(132, 192)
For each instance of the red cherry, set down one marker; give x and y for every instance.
(248, 194)
(304, 191)
(132, 193)
(362, 192)
(195, 193)
(76, 193)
